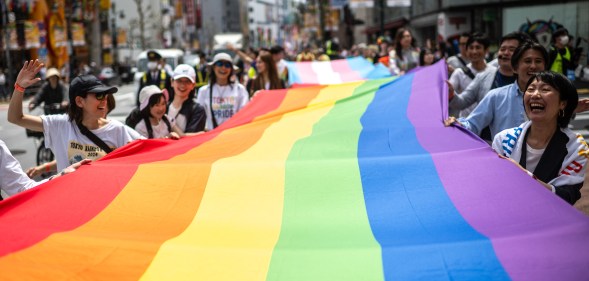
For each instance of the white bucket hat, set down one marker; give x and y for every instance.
(147, 92)
(223, 57)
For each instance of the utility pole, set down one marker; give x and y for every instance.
(114, 36)
(322, 20)
(95, 36)
(141, 13)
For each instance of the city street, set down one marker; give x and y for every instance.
(25, 149)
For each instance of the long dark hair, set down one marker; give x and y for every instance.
(275, 83)
(153, 100)
(566, 92)
(213, 76)
(398, 37)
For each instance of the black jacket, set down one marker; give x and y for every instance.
(195, 116)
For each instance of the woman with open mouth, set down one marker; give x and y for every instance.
(82, 133)
(544, 147)
(221, 98)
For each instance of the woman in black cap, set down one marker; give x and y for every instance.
(83, 132)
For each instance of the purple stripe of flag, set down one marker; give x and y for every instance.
(535, 234)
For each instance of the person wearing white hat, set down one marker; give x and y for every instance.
(183, 111)
(155, 123)
(221, 98)
(52, 94)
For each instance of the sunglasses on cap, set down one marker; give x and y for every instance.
(100, 96)
(223, 63)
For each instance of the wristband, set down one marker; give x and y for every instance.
(47, 168)
(19, 88)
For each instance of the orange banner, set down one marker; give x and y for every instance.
(106, 41)
(121, 37)
(78, 34)
(13, 42)
(32, 34)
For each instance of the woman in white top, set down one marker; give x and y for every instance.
(154, 122)
(405, 56)
(221, 97)
(70, 136)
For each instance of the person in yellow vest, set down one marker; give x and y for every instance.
(202, 72)
(560, 55)
(306, 54)
(332, 49)
(155, 76)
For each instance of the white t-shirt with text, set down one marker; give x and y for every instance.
(70, 146)
(227, 100)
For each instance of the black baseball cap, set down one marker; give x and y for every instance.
(84, 84)
(153, 55)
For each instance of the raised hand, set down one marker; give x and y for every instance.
(28, 74)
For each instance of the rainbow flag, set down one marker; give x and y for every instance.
(357, 181)
(335, 72)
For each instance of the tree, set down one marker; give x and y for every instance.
(141, 13)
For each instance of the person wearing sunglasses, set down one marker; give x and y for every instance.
(221, 98)
(82, 133)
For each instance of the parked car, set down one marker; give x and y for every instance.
(109, 77)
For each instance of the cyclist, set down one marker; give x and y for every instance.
(52, 94)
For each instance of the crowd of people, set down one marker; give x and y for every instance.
(520, 101)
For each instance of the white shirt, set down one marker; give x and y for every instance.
(159, 131)
(176, 118)
(533, 157)
(12, 178)
(227, 100)
(460, 81)
(70, 146)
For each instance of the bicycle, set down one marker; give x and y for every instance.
(44, 154)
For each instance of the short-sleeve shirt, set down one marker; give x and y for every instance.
(70, 146)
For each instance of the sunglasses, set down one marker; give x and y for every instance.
(100, 96)
(224, 63)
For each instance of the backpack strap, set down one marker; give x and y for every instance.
(96, 140)
(167, 123)
(148, 127)
(468, 72)
(211, 107)
(461, 60)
